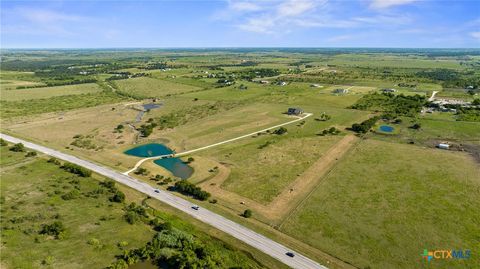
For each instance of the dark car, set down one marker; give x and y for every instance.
(290, 254)
(157, 190)
(196, 207)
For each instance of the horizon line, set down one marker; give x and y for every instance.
(228, 47)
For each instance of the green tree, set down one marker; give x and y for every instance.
(118, 197)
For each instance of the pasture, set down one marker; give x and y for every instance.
(151, 87)
(384, 215)
(47, 92)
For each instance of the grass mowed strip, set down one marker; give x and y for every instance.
(55, 219)
(385, 203)
(150, 87)
(47, 92)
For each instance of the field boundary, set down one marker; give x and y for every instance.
(282, 203)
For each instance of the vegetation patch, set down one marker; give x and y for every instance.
(57, 103)
(391, 104)
(183, 116)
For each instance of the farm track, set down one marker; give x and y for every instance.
(287, 200)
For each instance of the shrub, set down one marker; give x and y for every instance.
(365, 125)
(118, 197)
(188, 188)
(54, 161)
(76, 169)
(134, 213)
(3, 143)
(94, 242)
(280, 131)
(247, 213)
(19, 147)
(55, 229)
(71, 195)
(31, 154)
(141, 171)
(416, 126)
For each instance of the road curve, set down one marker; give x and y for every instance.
(236, 230)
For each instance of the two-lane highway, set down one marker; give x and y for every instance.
(236, 230)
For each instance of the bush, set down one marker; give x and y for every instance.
(118, 197)
(188, 188)
(247, 213)
(141, 171)
(365, 126)
(55, 229)
(416, 126)
(54, 161)
(18, 148)
(71, 195)
(31, 154)
(76, 169)
(280, 131)
(3, 143)
(94, 242)
(134, 213)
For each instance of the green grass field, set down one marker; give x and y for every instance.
(261, 174)
(384, 215)
(31, 195)
(47, 92)
(58, 103)
(151, 87)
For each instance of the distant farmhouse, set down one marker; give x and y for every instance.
(294, 111)
(282, 83)
(340, 91)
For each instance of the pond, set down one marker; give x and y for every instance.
(175, 165)
(386, 128)
(146, 108)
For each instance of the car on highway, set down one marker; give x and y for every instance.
(157, 190)
(290, 254)
(196, 207)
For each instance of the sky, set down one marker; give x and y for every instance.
(240, 23)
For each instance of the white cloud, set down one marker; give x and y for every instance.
(280, 16)
(475, 35)
(245, 6)
(384, 4)
(47, 16)
(295, 7)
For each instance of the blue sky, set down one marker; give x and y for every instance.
(240, 23)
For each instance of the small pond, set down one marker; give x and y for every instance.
(386, 128)
(146, 108)
(175, 165)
